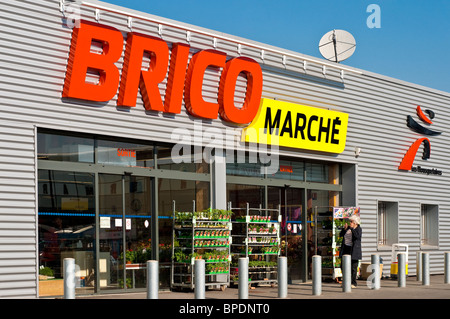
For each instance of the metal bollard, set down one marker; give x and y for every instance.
(346, 273)
(317, 275)
(375, 262)
(199, 273)
(425, 269)
(401, 269)
(419, 266)
(69, 278)
(152, 279)
(447, 267)
(282, 277)
(243, 278)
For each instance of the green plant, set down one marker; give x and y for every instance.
(141, 256)
(261, 263)
(216, 268)
(197, 256)
(340, 223)
(128, 283)
(129, 256)
(183, 216)
(46, 271)
(181, 257)
(337, 263)
(214, 214)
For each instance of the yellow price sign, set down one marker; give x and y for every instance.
(298, 126)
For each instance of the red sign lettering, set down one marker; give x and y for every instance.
(81, 60)
(182, 77)
(122, 152)
(134, 78)
(286, 168)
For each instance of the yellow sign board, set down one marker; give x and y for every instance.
(78, 203)
(298, 126)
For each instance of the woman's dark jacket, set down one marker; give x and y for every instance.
(356, 242)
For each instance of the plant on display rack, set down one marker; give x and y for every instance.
(201, 235)
(216, 256)
(181, 257)
(254, 219)
(338, 263)
(197, 256)
(340, 223)
(217, 268)
(262, 263)
(184, 217)
(270, 250)
(140, 254)
(207, 214)
(165, 252)
(214, 214)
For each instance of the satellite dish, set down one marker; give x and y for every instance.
(337, 45)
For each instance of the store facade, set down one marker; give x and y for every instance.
(112, 117)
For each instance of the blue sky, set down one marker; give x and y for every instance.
(412, 43)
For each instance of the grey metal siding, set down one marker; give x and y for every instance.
(35, 43)
(18, 222)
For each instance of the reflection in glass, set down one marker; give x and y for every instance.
(187, 159)
(240, 165)
(320, 217)
(138, 230)
(66, 226)
(111, 233)
(125, 154)
(239, 195)
(65, 148)
(184, 192)
(317, 172)
(290, 170)
(125, 244)
(290, 200)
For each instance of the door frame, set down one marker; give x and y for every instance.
(305, 186)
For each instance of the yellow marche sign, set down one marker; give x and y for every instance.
(298, 126)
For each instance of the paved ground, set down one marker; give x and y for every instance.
(389, 301)
(330, 290)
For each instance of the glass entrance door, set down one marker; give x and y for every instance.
(125, 203)
(66, 229)
(290, 200)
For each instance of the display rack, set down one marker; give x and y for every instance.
(327, 239)
(340, 218)
(256, 235)
(201, 235)
(324, 239)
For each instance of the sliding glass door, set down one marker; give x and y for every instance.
(66, 229)
(125, 203)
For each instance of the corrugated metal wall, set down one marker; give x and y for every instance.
(34, 42)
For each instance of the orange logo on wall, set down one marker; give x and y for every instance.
(184, 78)
(408, 159)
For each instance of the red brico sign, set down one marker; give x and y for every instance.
(182, 79)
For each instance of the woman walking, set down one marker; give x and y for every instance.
(351, 244)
